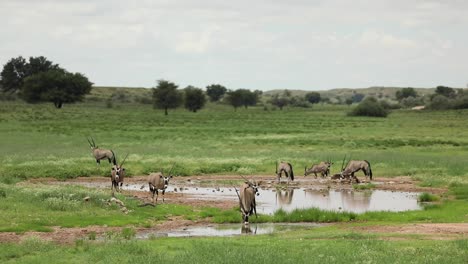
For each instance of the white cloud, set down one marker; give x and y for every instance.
(254, 44)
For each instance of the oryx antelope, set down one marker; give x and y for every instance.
(100, 154)
(117, 174)
(157, 181)
(247, 203)
(323, 168)
(286, 168)
(355, 166)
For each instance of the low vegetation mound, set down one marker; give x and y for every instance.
(369, 107)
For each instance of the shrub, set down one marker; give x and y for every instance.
(387, 105)
(128, 233)
(439, 102)
(369, 107)
(427, 197)
(461, 103)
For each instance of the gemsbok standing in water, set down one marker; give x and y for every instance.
(100, 154)
(157, 181)
(323, 168)
(247, 203)
(117, 174)
(287, 169)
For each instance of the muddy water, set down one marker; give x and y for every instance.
(226, 230)
(289, 199)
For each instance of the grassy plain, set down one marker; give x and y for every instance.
(41, 141)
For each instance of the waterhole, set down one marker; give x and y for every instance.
(288, 199)
(227, 230)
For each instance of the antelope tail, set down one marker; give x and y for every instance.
(370, 170)
(276, 167)
(292, 172)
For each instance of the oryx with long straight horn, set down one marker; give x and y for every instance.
(355, 166)
(158, 181)
(117, 174)
(100, 154)
(247, 203)
(286, 168)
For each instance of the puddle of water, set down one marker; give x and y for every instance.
(227, 230)
(270, 200)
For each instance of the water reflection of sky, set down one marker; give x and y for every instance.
(271, 200)
(227, 230)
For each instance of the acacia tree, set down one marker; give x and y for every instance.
(281, 101)
(215, 92)
(445, 91)
(194, 98)
(56, 86)
(313, 97)
(166, 95)
(405, 93)
(235, 98)
(16, 70)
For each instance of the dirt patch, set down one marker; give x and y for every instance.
(437, 231)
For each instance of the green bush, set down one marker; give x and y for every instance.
(461, 103)
(440, 102)
(128, 233)
(369, 107)
(427, 197)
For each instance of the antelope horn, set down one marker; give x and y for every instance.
(121, 164)
(246, 179)
(94, 143)
(240, 201)
(170, 171)
(342, 164)
(89, 142)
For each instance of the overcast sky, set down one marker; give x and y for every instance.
(294, 44)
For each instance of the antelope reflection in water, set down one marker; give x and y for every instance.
(284, 197)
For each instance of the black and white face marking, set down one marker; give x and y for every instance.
(166, 180)
(254, 186)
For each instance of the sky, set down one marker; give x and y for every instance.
(264, 45)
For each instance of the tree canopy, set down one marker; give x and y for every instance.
(16, 70)
(56, 86)
(445, 91)
(215, 92)
(281, 100)
(194, 98)
(166, 95)
(40, 80)
(405, 93)
(369, 107)
(242, 97)
(313, 97)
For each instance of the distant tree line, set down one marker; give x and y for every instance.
(38, 79)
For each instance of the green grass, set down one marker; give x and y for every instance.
(367, 186)
(319, 245)
(40, 207)
(41, 141)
